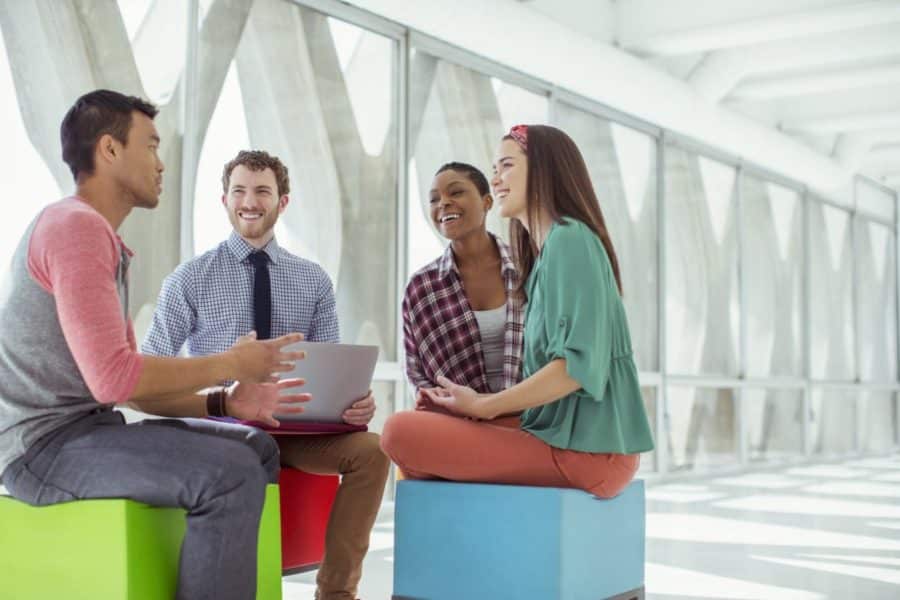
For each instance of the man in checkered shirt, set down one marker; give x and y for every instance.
(208, 302)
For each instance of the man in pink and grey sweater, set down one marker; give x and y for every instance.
(68, 355)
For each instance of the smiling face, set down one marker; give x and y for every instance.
(253, 204)
(457, 208)
(510, 180)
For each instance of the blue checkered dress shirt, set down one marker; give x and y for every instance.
(208, 300)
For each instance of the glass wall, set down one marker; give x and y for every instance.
(876, 285)
(772, 268)
(832, 330)
(702, 312)
(878, 421)
(834, 419)
(875, 243)
(702, 428)
(764, 319)
(773, 423)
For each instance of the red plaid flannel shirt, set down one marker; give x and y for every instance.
(440, 332)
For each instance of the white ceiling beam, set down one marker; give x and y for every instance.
(596, 18)
(720, 72)
(853, 149)
(885, 152)
(787, 111)
(846, 123)
(883, 161)
(854, 111)
(818, 83)
(679, 37)
(881, 166)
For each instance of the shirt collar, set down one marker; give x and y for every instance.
(241, 249)
(447, 263)
(507, 265)
(128, 251)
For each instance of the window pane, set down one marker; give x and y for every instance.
(876, 250)
(27, 182)
(701, 428)
(772, 237)
(160, 65)
(648, 459)
(833, 421)
(622, 164)
(773, 423)
(456, 114)
(328, 114)
(831, 293)
(386, 395)
(878, 421)
(701, 265)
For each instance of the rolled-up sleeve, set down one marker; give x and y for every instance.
(575, 277)
(75, 259)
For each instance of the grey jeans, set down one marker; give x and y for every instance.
(216, 471)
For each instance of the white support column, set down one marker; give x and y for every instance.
(662, 407)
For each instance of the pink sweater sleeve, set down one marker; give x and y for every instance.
(74, 254)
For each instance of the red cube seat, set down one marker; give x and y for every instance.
(306, 501)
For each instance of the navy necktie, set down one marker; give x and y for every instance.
(262, 295)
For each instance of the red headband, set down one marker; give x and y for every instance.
(520, 134)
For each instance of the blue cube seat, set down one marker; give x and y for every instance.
(492, 542)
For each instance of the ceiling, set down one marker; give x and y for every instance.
(826, 72)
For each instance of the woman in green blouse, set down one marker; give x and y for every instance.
(582, 421)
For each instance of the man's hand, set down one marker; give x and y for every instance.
(361, 411)
(260, 401)
(256, 361)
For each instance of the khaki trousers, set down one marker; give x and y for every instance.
(363, 467)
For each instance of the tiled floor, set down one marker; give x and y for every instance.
(801, 533)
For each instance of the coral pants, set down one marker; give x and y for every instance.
(430, 445)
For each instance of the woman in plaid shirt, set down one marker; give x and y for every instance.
(461, 316)
(583, 422)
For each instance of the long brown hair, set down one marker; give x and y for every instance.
(558, 181)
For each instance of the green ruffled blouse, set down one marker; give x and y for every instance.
(575, 313)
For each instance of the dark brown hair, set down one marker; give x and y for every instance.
(558, 181)
(258, 160)
(94, 115)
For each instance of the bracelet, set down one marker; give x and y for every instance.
(215, 403)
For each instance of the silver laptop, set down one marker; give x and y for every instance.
(337, 375)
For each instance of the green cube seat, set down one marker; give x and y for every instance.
(110, 550)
